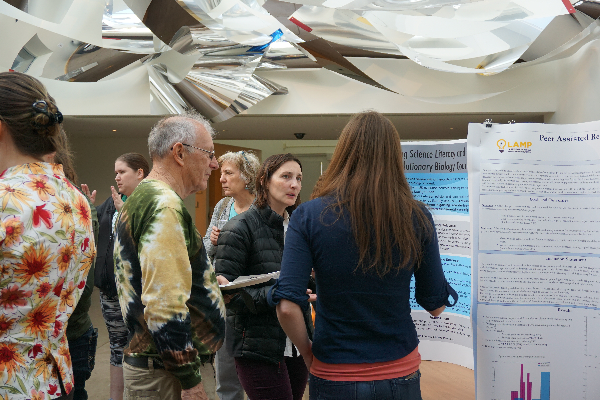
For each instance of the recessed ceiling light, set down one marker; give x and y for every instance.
(114, 130)
(451, 128)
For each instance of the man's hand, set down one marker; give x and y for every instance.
(86, 190)
(214, 235)
(311, 297)
(116, 198)
(195, 393)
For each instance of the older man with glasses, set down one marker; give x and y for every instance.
(167, 288)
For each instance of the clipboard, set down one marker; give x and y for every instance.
(250, 280)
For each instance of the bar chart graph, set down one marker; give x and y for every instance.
(526, 387)
(533, 357)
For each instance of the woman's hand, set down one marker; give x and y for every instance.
(311, 297)
(116, 198)
(86, 190)
(308, 356)
(291, 319)
(214, 235)
(223, 281)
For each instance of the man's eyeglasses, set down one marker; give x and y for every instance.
(211, 154)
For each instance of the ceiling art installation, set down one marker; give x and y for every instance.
(205, 54)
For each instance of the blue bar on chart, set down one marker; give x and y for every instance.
(545, 386)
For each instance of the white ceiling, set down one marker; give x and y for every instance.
(283, 127)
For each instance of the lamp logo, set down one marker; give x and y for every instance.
(501, 145)
(513, 147)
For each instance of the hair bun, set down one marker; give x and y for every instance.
(43, 118)
(30, 114)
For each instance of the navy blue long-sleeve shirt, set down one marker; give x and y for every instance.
(361, 318)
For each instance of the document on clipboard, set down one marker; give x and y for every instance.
(243, 281)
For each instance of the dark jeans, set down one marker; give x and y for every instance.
(388, 389)
(83, 356)
(265, 381)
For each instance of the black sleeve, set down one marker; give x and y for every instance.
(104, 268)
(233, 252)
(101, 209)
(255, 298)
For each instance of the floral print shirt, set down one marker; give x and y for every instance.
(46, 249)
(167, 287)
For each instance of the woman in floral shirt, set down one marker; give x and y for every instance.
(46, 245)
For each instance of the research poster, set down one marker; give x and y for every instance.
(437, 174)
(535, 205)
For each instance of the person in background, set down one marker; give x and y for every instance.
(365, 236)
(167, 288)
(130, 170)
(252, 243)
(46, 245)
(81, 334)
(238, 178)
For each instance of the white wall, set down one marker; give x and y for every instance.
(270, 147)
(419, 90)
(578, 91)
(318, 91)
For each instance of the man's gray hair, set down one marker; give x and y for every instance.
(175, 129)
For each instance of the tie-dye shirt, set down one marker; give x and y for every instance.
(169, 295)
(46, 250)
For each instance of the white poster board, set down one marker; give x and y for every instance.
(437, 174)
(535, 196)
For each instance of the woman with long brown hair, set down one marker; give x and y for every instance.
(365, 236)
(47, 245)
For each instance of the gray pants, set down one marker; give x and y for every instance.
(228, 384)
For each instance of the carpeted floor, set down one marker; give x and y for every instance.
(439, 381)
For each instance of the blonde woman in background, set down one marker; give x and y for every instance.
(238, 176)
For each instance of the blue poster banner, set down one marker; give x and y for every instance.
(437, 175)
